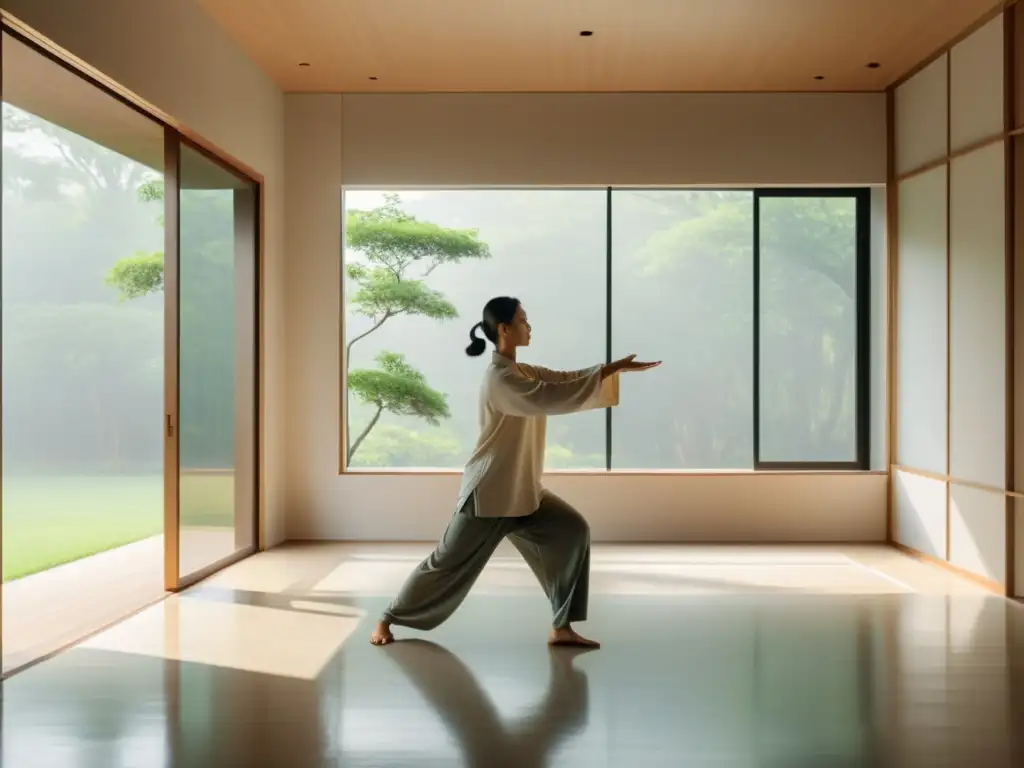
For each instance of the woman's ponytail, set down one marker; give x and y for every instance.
(498, 311)
(477, 346)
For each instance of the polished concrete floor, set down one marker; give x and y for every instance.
(713, 656)
(47, 611)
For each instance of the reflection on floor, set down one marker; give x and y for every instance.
(201, 546)
(51, 609)
(722, 656)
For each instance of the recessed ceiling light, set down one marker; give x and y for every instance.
(872, 65)
(587, 33)
(304, 64)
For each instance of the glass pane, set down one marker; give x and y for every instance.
(808, 329)
(216, 419)
(455, 250)
(82, 357)
(682, 286)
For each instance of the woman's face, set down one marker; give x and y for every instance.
(516, 333)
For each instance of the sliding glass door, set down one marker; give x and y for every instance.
(129, 262)
(212, 420)
(82, 361)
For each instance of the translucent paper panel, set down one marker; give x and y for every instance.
(1018, 310)
(1019, 547)
(977, 531)
(978, 318)
(921, 323)
(921, 117)
(879, 306)
(920, 513)
(976, 86)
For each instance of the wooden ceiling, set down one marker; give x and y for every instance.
(637, 45)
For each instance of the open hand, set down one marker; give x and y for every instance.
(630, 363)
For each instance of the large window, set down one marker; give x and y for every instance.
(756, 300)
(682, 265)
(809, 321)
(419, 267)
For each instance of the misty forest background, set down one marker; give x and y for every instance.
(682, 282)
(83, 336)
(83, 331)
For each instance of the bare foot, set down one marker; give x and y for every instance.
(381, 634)
(568, 636)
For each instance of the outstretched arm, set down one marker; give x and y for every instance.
(558, 377)
(518, 393)
(552, 376)
(607, 395)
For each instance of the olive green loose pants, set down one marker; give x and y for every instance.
(554, 541)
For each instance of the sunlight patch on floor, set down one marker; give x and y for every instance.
(655, 571)
(289, 641)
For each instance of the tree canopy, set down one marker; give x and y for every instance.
(398, 252)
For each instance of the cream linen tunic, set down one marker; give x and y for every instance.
(504, 473)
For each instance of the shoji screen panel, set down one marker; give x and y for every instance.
(977, 439)
(1018, 311)
(1017, 86)
(951, 493)
(921, 110)
(920, 513)
(921, 323)
(976, 93)
(880, 278)
(977, 531)
(1018, 352)
(1019, 528)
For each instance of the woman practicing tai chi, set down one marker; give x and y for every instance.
(501, 491)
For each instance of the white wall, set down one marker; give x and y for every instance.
(325, 140)
(613, 139)
(620, 507)
(172, 55)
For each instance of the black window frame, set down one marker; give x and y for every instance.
(862, 197)
(862, 373)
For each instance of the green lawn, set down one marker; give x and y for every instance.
(52, 520)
